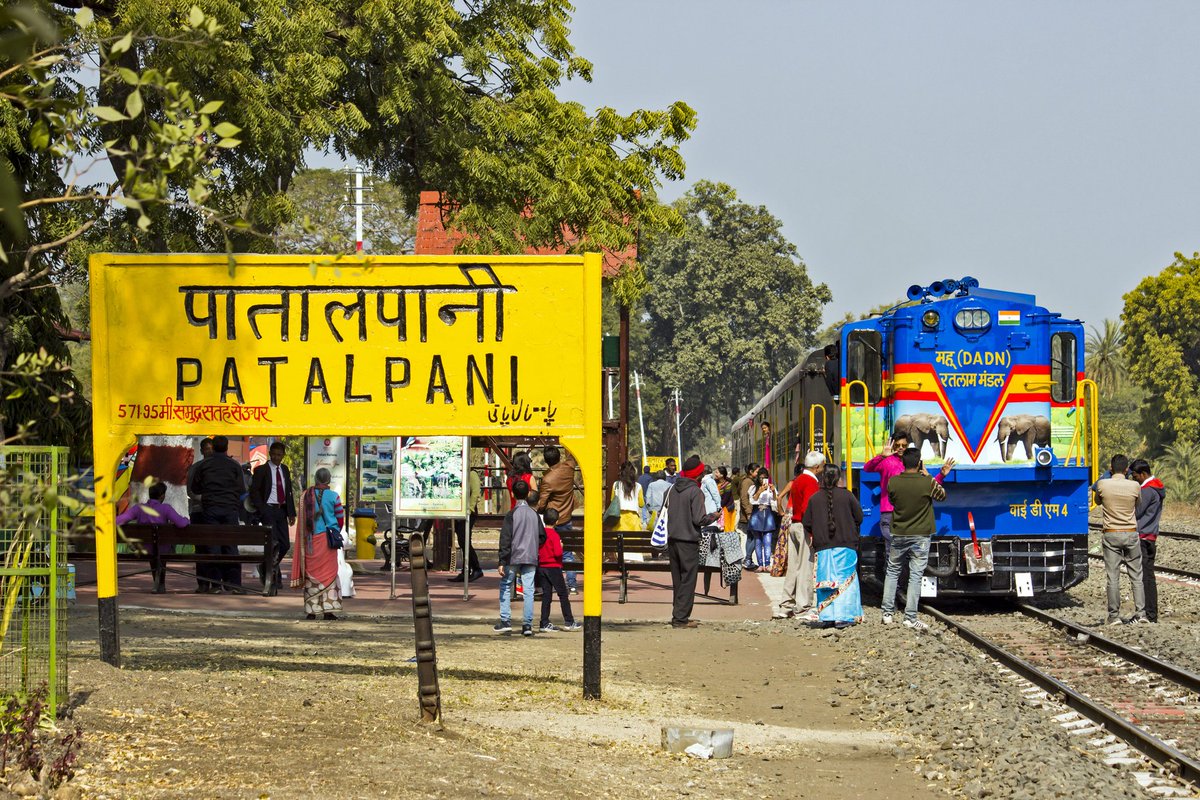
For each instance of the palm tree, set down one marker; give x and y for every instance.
(1179, 467)
(1105, 361)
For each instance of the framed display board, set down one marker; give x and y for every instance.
(377, 469)
(431, 476)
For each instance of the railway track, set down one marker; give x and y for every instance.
(1182, 575)
(1130, 709)
(1179, 535)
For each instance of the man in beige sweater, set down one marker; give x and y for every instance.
(1118, 497)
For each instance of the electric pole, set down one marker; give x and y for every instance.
(637, 385)
(359, 204)
(678, 439)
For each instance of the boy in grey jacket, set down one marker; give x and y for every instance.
(521, 536)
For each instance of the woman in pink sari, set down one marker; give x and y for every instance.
(315, 563)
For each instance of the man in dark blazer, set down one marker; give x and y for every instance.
(271, 494)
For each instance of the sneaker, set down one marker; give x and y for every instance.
(549, 627)
(574, 590)
(1114, 621)
(527, 630)
(915, 624)
(888, 619)
(574, 626)
(810, 616)
(1140, 621)
(502, 627)
(783, 614)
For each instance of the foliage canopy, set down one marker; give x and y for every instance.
(1161, 326)
(731, 307)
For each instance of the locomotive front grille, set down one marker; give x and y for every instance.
(1053, 563)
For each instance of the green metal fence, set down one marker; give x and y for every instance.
(33, 572)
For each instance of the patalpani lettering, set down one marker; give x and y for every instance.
(200, 306)
(477, 378)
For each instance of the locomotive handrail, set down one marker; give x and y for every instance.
(1089, 389)
(812, 427)
(1085, 436)
(847, 407)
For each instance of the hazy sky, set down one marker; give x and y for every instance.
(1044, 147)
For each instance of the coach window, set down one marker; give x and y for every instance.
(1062, 367)
(864, 362)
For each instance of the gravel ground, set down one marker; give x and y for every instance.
(1176, 637)
(260, 707)
(965, 726)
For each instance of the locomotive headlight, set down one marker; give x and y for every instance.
(930, 318)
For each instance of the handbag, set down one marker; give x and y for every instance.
(729, 547)
(335, 540)
(658, 538)
(613, 513)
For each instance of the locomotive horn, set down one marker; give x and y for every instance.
(950, 286)
(969, 283)
(937, 288)
(915, 292)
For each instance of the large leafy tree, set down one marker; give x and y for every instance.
(1161, 326)
(730, 310)
(50, 132)
(432, 94)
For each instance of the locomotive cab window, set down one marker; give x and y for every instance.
(1062, 367)
(864, 362)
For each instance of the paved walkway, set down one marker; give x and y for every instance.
(649, 597)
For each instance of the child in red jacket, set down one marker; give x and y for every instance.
(550, 577)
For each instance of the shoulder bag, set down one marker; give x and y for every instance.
(658, 538)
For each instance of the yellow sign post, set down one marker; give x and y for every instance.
(413, 345)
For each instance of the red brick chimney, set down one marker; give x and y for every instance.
(434, 240)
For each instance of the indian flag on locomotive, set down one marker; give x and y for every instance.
(1010, 317)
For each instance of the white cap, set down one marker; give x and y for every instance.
(813, 459)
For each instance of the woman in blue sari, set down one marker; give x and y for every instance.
(831, 523)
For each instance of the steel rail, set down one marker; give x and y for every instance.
(1183, 677)
(1169, 758)
(1161, 570)
(1179, 535)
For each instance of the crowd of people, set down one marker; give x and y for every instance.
(219, 494)
(805, 530)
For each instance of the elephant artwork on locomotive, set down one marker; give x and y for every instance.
(1028, 429)
(923, 428)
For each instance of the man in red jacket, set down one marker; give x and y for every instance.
(798, 581)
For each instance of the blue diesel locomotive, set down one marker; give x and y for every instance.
(986, 377)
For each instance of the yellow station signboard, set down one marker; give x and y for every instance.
(414, 345)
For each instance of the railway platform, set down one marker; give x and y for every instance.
(649, 598)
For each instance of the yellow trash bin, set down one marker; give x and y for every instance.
(364, 526)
